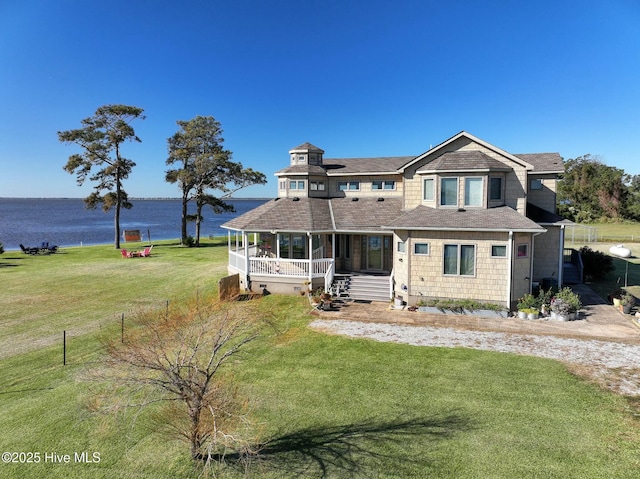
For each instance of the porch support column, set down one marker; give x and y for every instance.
(510, 273)
(333, 247)
(278, 245)
(229, 240)
(561, 258)
(245, 243)
(310, 238)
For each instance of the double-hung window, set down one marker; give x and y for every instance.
(296, 185)
(459, 259)
(449, 191)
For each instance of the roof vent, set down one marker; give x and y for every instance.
(295, 198)
(461, 210)
(354, 199)
(381, 199)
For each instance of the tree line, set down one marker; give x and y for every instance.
(201, 166)
(591, 191)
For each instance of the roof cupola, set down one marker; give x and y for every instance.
(306, 154)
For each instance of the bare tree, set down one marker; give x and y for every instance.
(181, 359)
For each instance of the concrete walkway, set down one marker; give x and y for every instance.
(599, 320)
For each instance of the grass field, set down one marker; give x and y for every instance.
(323, 406)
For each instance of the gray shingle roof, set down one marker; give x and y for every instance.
(501, 218)
(349, 166)
(286, 214)
(543, 162)
(307, 146)
(465, 160)
(302, 170)
(369, 214)
(365, 214)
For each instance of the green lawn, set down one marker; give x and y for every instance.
(323, 406)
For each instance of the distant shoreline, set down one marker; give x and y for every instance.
(130, 199)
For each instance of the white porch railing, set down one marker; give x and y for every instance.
(237, 261)
(287, 267)
(328, 276)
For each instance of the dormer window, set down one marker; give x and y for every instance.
(473, 191)
(449, 191)
(495, 189)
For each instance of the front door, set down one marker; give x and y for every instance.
(374, 253)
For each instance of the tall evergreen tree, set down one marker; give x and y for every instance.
(591, 191)
(202, 164)
(101, 138)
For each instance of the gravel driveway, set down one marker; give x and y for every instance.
(613, 365)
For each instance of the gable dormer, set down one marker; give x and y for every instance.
(306, 154)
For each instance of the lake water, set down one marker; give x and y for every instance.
(66, 222)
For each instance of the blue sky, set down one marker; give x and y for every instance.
(356, 78)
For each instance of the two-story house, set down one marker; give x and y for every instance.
(464, 220)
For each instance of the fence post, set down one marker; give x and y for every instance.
(122, 329)
(64, 348)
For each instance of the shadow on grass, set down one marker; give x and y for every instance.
(362, 449)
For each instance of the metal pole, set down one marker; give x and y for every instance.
(64, 348)
(122, 328)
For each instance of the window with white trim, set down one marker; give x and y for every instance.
(498, 251)
(522, 250)
(402, 247)
(317, 185)
(421, 248)
(428, 189)
(473, 191)
(536, 184)
(383, 185)
(459, 259)
(495, 188)
(296, 185)
(348, 185)
(449, 191)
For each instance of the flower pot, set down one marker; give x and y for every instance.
(617, 302)
(626, 309)
(533, 315)
(522, 315)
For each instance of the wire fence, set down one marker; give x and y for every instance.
(590, 234)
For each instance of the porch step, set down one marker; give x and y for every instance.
(570, 274)
(362, 287)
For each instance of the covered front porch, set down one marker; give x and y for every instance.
(282, 258)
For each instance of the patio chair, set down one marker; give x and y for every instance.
(126, 254)
(146, 252)
(28, 250)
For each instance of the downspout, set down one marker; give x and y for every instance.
(510, 275)
(561, 258)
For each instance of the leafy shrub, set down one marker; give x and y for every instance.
(528, 301)
(566, 299)
(596, 264)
